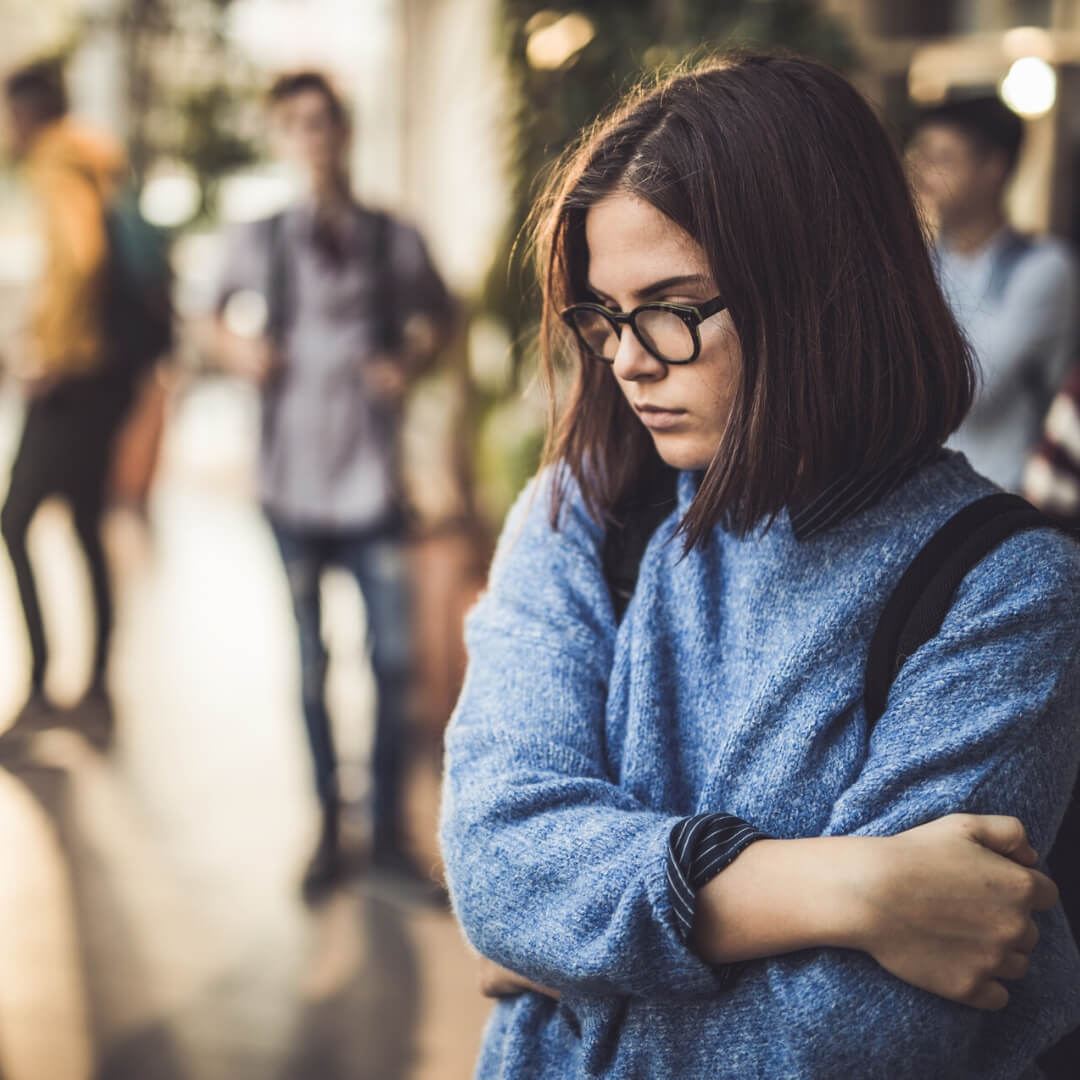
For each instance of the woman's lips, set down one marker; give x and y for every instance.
(657, 419)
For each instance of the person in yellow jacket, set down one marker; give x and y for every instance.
(76, 401)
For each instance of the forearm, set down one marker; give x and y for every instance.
(780, 896)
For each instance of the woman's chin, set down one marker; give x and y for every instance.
(681, 452)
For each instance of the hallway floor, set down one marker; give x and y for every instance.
(150, 920)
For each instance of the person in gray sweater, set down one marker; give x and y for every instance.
(1015, 296)
(673, 835)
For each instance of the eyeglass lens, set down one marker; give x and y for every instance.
(664, 332)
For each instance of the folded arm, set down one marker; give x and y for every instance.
(556, 872)
(980, 720)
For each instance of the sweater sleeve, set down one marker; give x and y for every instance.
(981, 719)
(554, 871)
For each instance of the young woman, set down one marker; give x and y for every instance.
(736, 278)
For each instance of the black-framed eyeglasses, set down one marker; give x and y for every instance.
(670, 332)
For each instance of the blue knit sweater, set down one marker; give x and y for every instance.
(734, 684)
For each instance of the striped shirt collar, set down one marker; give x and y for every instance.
(854, 492)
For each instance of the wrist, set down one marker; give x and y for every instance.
(830, 879)
(849, 869)
(781, 896)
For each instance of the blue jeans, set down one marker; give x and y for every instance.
(377, 562)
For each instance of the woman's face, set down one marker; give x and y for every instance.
(637, 255)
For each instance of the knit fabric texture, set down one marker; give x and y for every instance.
(734, 684)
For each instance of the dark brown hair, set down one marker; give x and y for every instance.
(780, 171)
(301, 82)
(41, 87)
(986, 121)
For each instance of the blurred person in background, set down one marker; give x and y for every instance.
(355, 310)
(76, 399)
(1014, 296)
(1052, 476)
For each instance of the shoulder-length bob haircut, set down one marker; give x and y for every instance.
(781, 172)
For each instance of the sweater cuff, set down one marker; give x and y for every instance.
(698, 849)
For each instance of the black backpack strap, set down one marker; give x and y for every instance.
(277, 316)
(277, 283)
(385, 293)
(637, 517)
(913, 616)
(1010, 253)
(918, 605)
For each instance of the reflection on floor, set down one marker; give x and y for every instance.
(150, 926)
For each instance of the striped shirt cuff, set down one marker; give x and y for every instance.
(698, 849)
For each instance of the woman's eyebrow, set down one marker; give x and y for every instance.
(658, 288)
(671, 283)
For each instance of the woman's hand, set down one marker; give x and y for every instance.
(498, 982)
(947, 906)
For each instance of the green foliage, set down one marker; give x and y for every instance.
(188, 93)
(209, 142)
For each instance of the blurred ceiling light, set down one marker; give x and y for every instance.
(170, 197)
(1023, 41)
(1030, 87)
(552, 46)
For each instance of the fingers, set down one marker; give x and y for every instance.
(500, 990)
(512, 985)
(1029, 939)
(1045, 893)
(1003, 834)
(990, 996)
(497, 983)
(1014, 966)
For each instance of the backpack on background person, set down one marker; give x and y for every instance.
(140, 328)
(138, 292)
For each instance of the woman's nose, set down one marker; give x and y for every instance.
(633, 362)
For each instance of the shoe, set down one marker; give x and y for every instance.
(94, 717)
(396, 864)
(325, 868)
(36, 714)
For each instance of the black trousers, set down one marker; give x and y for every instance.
(65, 450)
